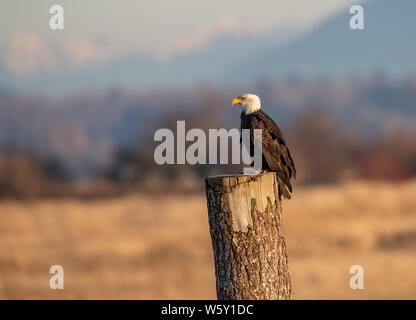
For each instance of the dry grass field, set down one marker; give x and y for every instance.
(143, 247)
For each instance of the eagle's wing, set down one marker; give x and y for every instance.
(275, 151)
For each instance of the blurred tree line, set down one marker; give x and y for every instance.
(336, 130)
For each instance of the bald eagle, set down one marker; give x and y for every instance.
(276, 155)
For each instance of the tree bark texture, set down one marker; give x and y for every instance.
(245, 219)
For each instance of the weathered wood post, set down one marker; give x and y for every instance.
(245, 219)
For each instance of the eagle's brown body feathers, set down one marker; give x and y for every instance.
(276, 154)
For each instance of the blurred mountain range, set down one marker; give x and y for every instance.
(387, 44)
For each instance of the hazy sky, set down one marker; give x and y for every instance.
(104, 29)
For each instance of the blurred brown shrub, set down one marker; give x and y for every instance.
(22, 175)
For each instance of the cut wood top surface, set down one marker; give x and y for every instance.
(240, 189)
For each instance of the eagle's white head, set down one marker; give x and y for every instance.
(249, 102)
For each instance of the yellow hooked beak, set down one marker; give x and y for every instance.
(237, 101)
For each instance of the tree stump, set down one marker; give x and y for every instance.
(245, 219)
